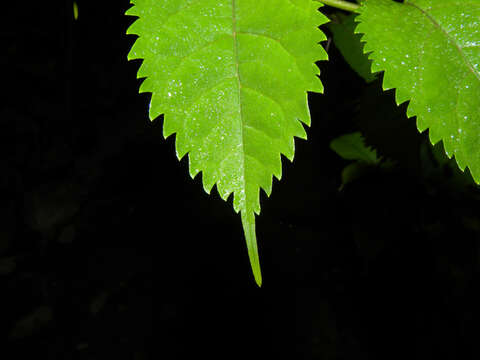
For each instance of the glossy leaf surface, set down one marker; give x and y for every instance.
(231, 78)
(430, 51)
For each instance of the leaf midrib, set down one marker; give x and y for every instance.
(237, 73)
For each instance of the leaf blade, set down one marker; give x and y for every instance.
(350, 46)
(433, 61)
(352, 147)
(230, 77)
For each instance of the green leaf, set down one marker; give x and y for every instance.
(352, 172)
(430, 51)
(350, 46)
(352, 147)
(75, 10)
(231, 77)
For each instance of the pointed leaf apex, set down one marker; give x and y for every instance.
(248, 223)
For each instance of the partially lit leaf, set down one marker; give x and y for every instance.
(351, 47)
(352, 147)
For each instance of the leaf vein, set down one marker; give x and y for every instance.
(281, 45)
(239, 84)
(268, 97)
(449, 38)
(181, 9)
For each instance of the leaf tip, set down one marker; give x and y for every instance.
(248, 223)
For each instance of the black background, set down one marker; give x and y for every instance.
(109, 250)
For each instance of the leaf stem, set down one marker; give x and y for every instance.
(341, 4)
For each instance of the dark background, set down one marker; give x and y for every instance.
(109, 250)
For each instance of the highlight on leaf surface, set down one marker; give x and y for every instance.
(430, 52)
(231, 78)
